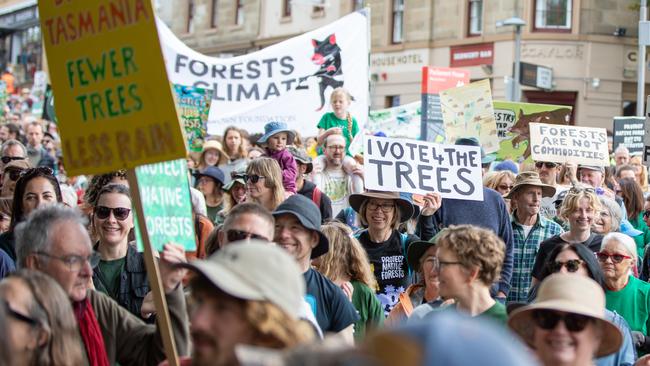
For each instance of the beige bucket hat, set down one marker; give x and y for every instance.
(570, 293)
(530, 179)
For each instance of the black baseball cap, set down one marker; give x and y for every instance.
(306, 211)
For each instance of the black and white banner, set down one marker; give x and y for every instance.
(290, 81)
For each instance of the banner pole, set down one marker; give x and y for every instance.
(153, 274)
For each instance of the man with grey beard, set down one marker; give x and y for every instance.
(333, 179)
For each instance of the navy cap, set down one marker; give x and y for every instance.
(212, 172)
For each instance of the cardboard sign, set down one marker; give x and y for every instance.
(435, 80)
(561, 144)
(165, 192)
(513, 121)
(629, 132)
(467, 112)
(402, 121)
(193, 105)
(401, 165)
(113, 97)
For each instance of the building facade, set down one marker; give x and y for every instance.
(590, 45)
(21, 48)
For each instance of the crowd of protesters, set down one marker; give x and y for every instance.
(297, 264)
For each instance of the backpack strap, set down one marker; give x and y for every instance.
(403, 239)
(315, 196)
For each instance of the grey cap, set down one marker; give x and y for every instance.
(255, 270)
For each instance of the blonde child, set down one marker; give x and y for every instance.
(276, 138)
(340, 122)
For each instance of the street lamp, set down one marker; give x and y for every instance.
(517, 23)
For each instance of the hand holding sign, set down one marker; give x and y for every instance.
(432, 202)
(170, 274)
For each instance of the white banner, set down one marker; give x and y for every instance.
(403, 165)
(290, 81)
(561, 144)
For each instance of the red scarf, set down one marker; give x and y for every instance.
(90, 333)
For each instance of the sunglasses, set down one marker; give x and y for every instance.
(120, 213)
(578, 190)
(548, 165)
(616, 258)
(646, 213)
(572, 265)
(7, 159)
(505, 187)
(548, 319)
(253, 178)
(238, 235)
(18, 316)
(14, 174)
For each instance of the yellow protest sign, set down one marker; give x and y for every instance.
(113, 99)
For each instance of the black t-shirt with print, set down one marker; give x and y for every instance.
(547, 246)
(332, 309)
(388, 262)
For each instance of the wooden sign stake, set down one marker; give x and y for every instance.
(153, 273)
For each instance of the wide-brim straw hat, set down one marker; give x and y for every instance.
(569, 293)
(530, 179)
(216, 145)
(403, 205)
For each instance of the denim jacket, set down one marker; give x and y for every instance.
(134, 285)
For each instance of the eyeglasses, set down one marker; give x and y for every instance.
(14, 174)
(24, 318)
(616, 258)
(646, 213)
(7, 159)
(437, 264)
(505, 187)
(386, 207)
(75, 262)
(253, 178)
(547, 164)
(120, 213)
(548, 319)
(334, 147)
(238, 235)
(572, 265)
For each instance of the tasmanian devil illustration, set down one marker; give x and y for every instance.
(327, 54)
(521, 128)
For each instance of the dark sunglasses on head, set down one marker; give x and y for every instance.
(14, 174)
(547, 164)
(253, 178)
(237, 235)
(548, 319)
(616, 258)
(120, 213)
(18, 316)
(572, 265)
(7, 159)
(41, 170)
(578, 190)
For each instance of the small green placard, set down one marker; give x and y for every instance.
(165, 195)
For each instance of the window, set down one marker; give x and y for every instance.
(190, 17)
(398, 24)
(214, 20)
(475, 17)
(553, 14)
(357, 5)
(392, 101)
(319, 8)
(286, 8)
(239, 13)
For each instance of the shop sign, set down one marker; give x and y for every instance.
(472, 55)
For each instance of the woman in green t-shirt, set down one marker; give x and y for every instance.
(468, 262)
(625, 294)
(347, 265)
